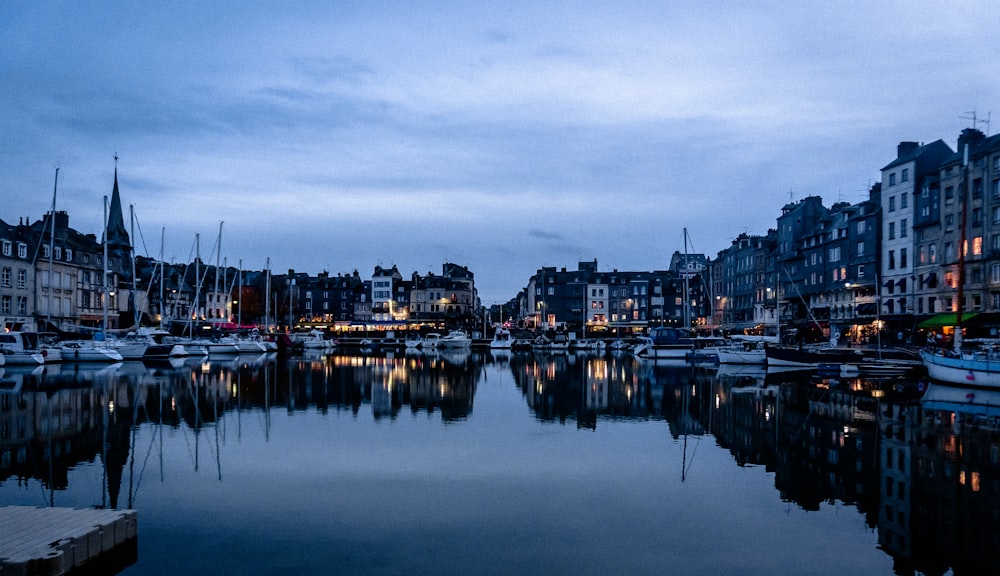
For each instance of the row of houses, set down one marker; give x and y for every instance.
(921, 249)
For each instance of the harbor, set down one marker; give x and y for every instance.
(380, 460)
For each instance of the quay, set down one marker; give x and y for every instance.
(59, 540)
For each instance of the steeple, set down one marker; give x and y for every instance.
(119, 246)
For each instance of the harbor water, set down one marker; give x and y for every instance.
(459, 462)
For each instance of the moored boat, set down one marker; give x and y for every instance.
(455, 339)
(980, 368)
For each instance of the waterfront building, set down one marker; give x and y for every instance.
(795, 234)
(17, 278)
(906, 225)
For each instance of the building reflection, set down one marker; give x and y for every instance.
(923, 472)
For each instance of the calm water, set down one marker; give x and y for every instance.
(520, 464)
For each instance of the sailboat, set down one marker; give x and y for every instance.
(980, 368)
(667, 342)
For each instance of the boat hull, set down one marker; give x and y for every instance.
(976, 371)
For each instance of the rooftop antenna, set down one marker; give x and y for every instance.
(971, 115)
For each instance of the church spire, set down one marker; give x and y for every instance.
(119, 246)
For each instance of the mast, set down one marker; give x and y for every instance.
(135, 307)
(687, 302)
(52, 241)
(197, 283)
(162, 277)
(962, 246)
(239, 302)
(218, 253)
(107, 295)
(267, 295)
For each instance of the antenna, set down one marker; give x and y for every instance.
(971, 115)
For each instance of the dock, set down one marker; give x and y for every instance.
(59, 540)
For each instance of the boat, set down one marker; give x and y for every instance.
(431, 340)
(22, 349)
(968, 400)
(312, 340)
(743, 349)
(980, 368)
(455, 339)
(502, 339)
(588, 345)
(413, 341)
(666, 342)
(89, 351)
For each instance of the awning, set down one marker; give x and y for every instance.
(866, 309)
(945, 319)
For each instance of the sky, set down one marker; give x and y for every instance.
(501, 136)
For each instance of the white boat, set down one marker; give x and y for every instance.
(21, 349)
(431, 340)
(502, 339)
(588, 345)
(740, 351)
(455, 339)
(413, 341)
(979, 368)
(89, 351)
(313, 340)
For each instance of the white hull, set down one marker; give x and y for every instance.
(741, 356)
(456, 339)
(83, 353)
(969, 370)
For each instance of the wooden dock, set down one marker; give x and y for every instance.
(58, 540)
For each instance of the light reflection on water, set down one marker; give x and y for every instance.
(461, 463)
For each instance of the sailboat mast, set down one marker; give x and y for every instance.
(162, 277)
(197, 282)
(239, 302)
(135, 307)
(107, 292)
(267, 295)
(962, 247)
(52, 241)
(687, 303)
(218, 253)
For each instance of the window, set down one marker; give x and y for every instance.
(892, 259)
(904, 176)
(22, 305)
(861, 271)
(892, 181)
(22, 250)
(922, 255)
(902, 200)
(977, 246)
(5, 278)
(22, 278)
(977, 216)
(949, 192)
(69, 254)
(8, 247)
(892, 230)
(902, 228)
(58, 253)
(892, 203)
(5, 304)
(834, 254)
(977, 188)
(861, 248)
(861, 227)
(46, 250)
(902, 258)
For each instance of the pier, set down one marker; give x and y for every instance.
(59, 540)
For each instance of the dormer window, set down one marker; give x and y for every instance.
(69, 254)
(8, 247)
(58, 252)
(22, 250)
(46, 251)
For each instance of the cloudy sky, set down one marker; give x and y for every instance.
(501, 136)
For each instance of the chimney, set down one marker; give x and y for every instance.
(905, 148)
(969, 136)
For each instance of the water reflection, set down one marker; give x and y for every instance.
(923, 472)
